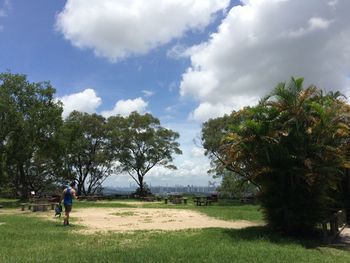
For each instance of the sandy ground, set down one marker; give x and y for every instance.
(131, 219)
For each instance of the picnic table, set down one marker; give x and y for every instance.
(202, 200)
(176, 199)
(39, 204)
(148, 198)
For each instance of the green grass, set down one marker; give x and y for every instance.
(29, 239)
(124, 214)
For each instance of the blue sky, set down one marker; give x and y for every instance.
(34, 47)
(182, 60)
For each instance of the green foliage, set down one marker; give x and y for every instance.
(38, 151)
(87, 155)
(234, 186)
(29, 120)
(139, 143)
(294, 145)
(144, 191)
(235, 182)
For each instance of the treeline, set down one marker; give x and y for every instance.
(292, 149)
(39, 151)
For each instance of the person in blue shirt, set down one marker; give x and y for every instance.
(67, 196)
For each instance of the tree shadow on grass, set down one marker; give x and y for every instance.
(267, 234)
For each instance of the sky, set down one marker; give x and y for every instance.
(184, 61)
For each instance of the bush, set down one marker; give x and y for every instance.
(146, 191)
(294, 146)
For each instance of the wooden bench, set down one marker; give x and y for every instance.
(176, 200)
(38, 206)
(23, 206)
(336, 223)
(200, 200)
(148, 198)
(208, 201)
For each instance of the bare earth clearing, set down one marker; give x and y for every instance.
(131, 219)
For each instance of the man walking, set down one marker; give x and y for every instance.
(68, 195)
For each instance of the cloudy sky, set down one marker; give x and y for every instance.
(184, 61)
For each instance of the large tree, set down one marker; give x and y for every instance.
(88, 157)
(29, 119)
(294, 144)
(235, 181)
(140, 143)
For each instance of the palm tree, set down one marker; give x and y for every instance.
(293, 145)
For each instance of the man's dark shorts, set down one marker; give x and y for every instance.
(67, 208)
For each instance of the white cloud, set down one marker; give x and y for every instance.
(117, 29)
(6, 6)
(178, 51)
(207, 110)
(314, 23)
(333, 3)
(264, 42)
(147, 93)
(4, 9)
(186, 170)
(125, 107)
(85, 101)
(197, 151)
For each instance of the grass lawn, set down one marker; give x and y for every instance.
(29, 239)
(25, 238)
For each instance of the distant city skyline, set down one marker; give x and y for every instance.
(127, 181)
(163, 190)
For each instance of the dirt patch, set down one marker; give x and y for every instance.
(131, 219)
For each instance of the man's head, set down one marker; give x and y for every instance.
(72, 184)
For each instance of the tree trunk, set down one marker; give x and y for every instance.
(140, 177)
(79, 189)
(79, 186)
(23, 183)
(346, 189)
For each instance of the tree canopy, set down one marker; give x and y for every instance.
(29, 120)
(39, 151)
(87, 150)
(294, 145)
(140, 143)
